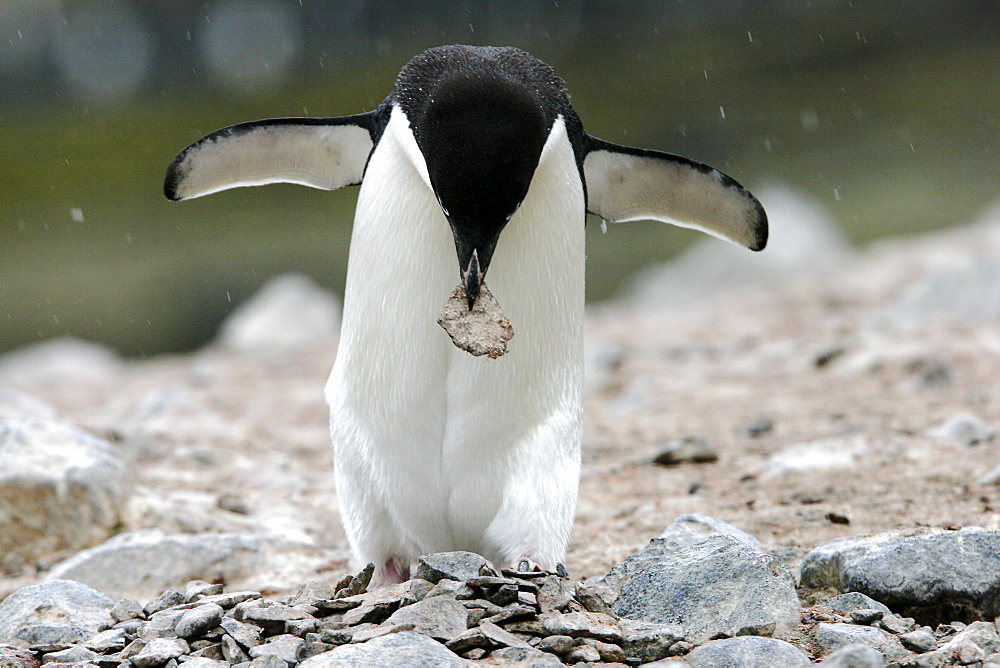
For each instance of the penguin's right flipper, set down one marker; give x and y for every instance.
(625, 183)
(325, 153)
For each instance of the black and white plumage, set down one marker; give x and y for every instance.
(475, 155)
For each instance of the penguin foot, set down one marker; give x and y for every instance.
(392, 571)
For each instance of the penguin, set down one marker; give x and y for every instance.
(474, 165)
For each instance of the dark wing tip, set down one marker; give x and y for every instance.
(759, 225)
(174, 177)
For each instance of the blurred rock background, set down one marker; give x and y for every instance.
(883, 114)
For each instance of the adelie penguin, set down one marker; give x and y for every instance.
(475, 166)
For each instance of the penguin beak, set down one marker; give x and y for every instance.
(472, 279)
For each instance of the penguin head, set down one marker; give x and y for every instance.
(480, 121)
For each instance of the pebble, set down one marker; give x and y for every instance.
(691, 448)
(458, 566)
(964, 429)
(857, 655)
(160, 650)
(198, 621)
(919, 641)
(541, 621)
(831, 637)
(748, 652)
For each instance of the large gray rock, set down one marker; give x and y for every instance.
(288, 312)
(60, 487)
(141, 564)
(932, 575)
(747, 652)
(966, 291)
(718, 586)
(58, 612)
(408, 648)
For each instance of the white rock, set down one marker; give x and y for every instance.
(141, 564)
(15, 405)
(836, 452)
(288, 312)
(964, 429)
(60, 487)
(804, 239)
(60, 360)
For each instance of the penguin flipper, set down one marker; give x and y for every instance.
(625, 183)
(325, 153)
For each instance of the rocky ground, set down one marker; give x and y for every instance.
(809, 393)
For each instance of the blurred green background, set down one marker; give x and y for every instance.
(885, 112)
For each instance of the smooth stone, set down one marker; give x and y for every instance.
(964, 429)
(834, 452)
(855, 600)
(199, 621)
(160, 650)
(857, 655)
(691, 448)
(933, 575)
(288, 312)
(831, 637)
(521, 657)
(55, 612)
(919, 641)
(747, 652)
(407, 648)
(805, 239)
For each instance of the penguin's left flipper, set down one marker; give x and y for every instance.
(625, 183)
(325, 153)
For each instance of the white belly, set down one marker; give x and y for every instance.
(435, 449)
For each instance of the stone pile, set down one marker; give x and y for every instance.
(701, 594)
(457, 607)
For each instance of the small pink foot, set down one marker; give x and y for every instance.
(393, 571)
